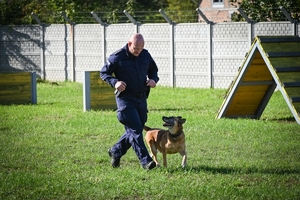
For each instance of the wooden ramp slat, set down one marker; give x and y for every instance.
(289, 77)
(283, 54)
(287, 69)
(295, 99)
(276, 39)
(291, 84)
(15, 78)
(297, 107)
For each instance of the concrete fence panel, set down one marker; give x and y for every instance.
(158, 41)
(58, 52)
(196, 55)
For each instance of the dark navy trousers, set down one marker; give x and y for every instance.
(132, 113)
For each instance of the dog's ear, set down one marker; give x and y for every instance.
(182, 121)
(179, 117)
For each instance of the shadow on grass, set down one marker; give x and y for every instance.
(284, 119)
(230, 170)
(169, 109)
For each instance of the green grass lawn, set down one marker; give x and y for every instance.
(54, 150)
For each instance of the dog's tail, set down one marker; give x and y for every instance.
(146, 128)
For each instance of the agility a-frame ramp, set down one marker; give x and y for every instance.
(272, 61)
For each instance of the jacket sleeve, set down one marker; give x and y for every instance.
(152, 72)
(106, 73)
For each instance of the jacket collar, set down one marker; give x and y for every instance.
(128, 53)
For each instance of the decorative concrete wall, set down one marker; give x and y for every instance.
(195, 55)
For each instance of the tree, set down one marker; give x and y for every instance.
(266, 10)
(14, 11)
(49, 11)
(181, 11)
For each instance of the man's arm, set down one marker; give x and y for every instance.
(106, 73)
(152, 73)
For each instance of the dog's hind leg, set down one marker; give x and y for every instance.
(184, 158)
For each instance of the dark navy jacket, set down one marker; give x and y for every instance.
(134, 71)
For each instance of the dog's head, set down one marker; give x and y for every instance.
(174, 124)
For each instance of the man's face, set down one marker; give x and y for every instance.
(135, 47)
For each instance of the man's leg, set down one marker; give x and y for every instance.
(121, 147)
(137, 143)
(129, 116)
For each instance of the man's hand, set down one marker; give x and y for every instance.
(151, 83)
(120, 86)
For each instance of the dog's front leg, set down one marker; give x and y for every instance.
(164, 158)
(153, 151)
(184, 158)
(154, 157)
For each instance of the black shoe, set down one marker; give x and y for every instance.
(115, 162)
(150, 165)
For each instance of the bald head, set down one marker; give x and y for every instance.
(137, 37)
(136, 44)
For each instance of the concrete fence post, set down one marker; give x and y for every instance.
(172, 55)
(172, 48)
(289, 17)
(103, 29)
(42, 45)
(210, 55)
(250, 26)
(72, 35)
(250, 33)
(209, 42)
(136, 23)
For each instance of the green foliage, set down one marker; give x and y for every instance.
(266, 10)
(131, 6)
(78, 11)
(15, 12)
(113, 18)
(54, 150)
(180, 11)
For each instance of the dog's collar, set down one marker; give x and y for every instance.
(175, 135)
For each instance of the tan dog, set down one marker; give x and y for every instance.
(167, 141)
